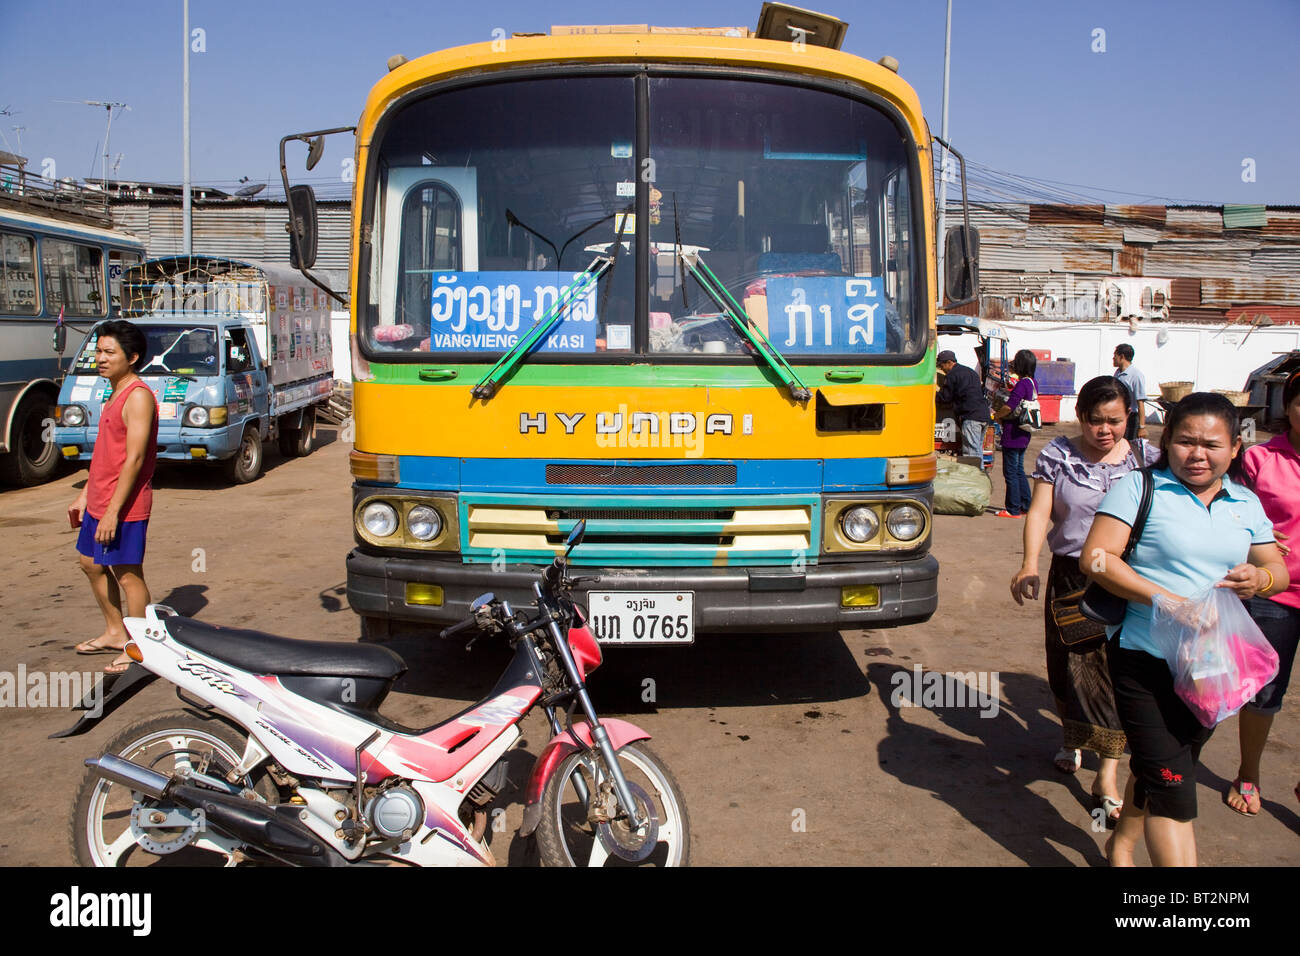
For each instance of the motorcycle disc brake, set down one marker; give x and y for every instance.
(163, 829)
(621, 840)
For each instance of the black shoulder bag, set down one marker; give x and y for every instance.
(1098, 604)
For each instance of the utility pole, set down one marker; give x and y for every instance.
(943, 162)
(187, 226)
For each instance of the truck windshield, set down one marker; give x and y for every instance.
(490, 199)
(173, 350)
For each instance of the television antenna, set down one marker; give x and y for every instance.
(108, 108)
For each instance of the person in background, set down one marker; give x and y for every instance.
(1204, 529)
(1273, 471)
(963, 390)
(113, 509)
(1015, 439)
(1136, 384)
(1071, 476)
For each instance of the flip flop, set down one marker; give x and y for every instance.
(117, 667)
(1248, 791)
(91, 647)
(1110, 805)
(1067, 755)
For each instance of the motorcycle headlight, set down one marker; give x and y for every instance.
(860, 524)
(424, 522)
(379, 518)
(74, 416)
(196, 416)
(905, 522)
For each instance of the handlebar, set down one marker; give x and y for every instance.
(460, 628)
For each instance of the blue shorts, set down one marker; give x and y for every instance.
(126, 548)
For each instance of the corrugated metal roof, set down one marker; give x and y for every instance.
(1181, 262)
(1229, 291)
(1040, 214)
(1130, 261)
(1153, 216)
(1193, 221)
(1280, 314)
(1185, 292)
(1244, 217)
(252, 230)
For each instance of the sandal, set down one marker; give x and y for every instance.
(1248, 791)
(93, 646)
(117, 667)
(1067, 760)
(1112, 806)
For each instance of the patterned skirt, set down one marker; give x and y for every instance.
(1078, 676)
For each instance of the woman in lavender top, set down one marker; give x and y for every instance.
(1070, 478)
(1015, 439)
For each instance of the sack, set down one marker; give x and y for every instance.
(1217, 655)
(1097, 603)
(1072, 626)
(1028, 415)
(960, 489)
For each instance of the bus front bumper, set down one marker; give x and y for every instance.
(740, 599)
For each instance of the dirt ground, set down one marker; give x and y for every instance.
(787, 747)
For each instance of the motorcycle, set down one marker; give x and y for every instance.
(282, 756)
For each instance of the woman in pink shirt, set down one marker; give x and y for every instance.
(1273, 469)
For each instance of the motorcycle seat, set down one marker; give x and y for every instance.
(261, 653)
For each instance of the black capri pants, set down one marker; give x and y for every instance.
(1164, 737)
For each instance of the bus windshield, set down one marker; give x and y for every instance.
(490, 199)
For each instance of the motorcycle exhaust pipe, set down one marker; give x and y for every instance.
(260, 826)
(137, 778)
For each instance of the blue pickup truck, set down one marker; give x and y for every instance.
(239, 355)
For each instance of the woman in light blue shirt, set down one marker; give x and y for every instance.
(1203, 528)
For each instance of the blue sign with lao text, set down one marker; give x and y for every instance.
(492, 311)
(827, 314)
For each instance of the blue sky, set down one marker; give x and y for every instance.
(1184, 92)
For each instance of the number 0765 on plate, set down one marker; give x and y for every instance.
(642, 618)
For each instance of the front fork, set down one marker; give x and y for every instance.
(598, 733)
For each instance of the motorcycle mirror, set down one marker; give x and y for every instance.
(575, 536)
(481, 600)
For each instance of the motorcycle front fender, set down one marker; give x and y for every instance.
(561, 746)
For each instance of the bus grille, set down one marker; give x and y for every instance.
(692, 474)
(613, 533)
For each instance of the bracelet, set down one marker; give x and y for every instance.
(1269, 586)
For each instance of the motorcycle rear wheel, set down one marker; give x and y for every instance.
(105, 827)
(565, 837)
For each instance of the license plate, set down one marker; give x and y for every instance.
(642, 618)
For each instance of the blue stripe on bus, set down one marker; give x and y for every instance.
(525, 475)
(27, 370)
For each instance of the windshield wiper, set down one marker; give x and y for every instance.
(583, 283)
(741, 320)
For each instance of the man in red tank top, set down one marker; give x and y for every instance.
(113, 509)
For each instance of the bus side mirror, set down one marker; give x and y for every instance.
(961, 278)
(302, 227)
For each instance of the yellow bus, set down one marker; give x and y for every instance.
(678, 284)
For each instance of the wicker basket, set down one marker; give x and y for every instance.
(1175, 391)
(1240, 399)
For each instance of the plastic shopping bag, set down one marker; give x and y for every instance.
(1218, 656)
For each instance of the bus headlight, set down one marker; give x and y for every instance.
(424, 522)
(379, 518)
(74, 416)
(905, 522)
(860, 524)
(196, 416)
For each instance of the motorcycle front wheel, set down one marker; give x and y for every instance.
(111, 828)
(567, 837)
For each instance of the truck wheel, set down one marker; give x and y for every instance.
(31, 459)
(246, 464)
(299, 442)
